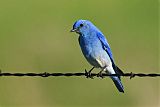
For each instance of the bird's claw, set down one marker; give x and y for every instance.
(100, 75)
(88, 74)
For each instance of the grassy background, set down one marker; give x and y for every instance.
(35, 37)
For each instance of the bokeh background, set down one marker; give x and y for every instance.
(35, 37)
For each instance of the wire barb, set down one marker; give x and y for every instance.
(46, 74)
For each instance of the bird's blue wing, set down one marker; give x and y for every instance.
(105, 45)
(107, 48)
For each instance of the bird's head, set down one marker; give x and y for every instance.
(82, 26)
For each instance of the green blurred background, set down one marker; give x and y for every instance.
(35, 37)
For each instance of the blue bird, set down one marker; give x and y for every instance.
(96, 50)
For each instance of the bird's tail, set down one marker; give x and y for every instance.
(118, 83)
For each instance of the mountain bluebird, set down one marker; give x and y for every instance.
(96, 50)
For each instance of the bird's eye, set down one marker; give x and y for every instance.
(81, 25)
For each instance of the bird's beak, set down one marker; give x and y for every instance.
(73, 30)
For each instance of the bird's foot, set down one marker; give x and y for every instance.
(100, 74)
(88, 74)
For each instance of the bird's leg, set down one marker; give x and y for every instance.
(88, 74)
(100, 74)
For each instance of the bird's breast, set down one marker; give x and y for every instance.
(89, 45)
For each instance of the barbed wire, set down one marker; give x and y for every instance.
(46, 74)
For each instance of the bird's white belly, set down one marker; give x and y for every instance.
(98, 57)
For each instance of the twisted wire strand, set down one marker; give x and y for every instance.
(46, 74)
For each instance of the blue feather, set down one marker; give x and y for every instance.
(118, 83)
(105, 44)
